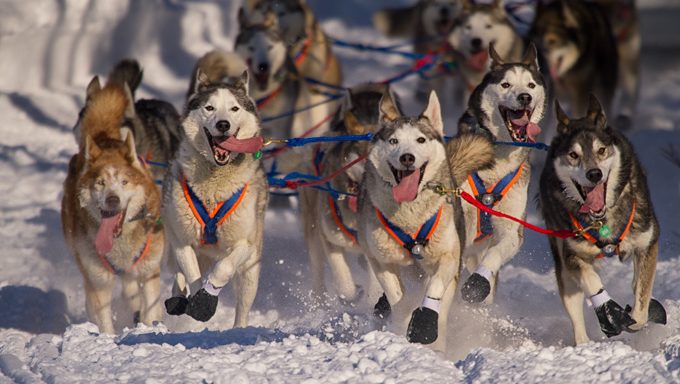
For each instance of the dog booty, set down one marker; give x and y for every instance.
(202, 305)
(656, 313)
(423, 326)
(382, 308)
(176, 305)
(613, 319)
(476, 288)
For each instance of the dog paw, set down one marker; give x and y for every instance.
(382, 308)
(423, 326)
(202, 305)
(613, 318)
(475, 289)
(137, 317)
(176, 305)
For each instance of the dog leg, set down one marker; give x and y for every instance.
(186, 281)
(316, 263)
(151, 291)
(132, 296)
(98, 304)
(388, 276)
(245, 289)
(444, 309)
(344, 283)
(572, 298)
(644, 265)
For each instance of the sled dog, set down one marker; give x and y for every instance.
(110, 212)
(507, 106)
(308, 45)
(594, 184)
(154, 123)
(402, 220)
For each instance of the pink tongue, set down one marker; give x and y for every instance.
(232, 144)
(103, 242)
(533, 130)
(352, 203)
(553, 72)
(407, 190)
(477, 61)
(522, 121)
(594, 200)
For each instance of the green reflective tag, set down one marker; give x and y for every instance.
(604, 231)
(257, 155)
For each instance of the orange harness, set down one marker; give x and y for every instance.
(415, 243)
(302, 54)
(607, 249)
(117, 271)
(263, 101)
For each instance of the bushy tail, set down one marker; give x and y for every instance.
(469, 152)
(127, 71)
(218, 66)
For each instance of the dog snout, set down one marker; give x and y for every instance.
(263, 67)
(476, 43)
(112, 202)
(407, 160)
(223, 126)
(524, 99)
(594, 175)
(444, 12)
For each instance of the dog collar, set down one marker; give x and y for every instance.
(607, 248)
(490, 197)
(413, 244)
(140, 256)
(210, 222)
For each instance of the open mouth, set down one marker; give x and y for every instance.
(261, 78)
(110, 227)
(444, 25)
(594, 198)
(477, 59)
(519, 125)
(408, 182)
(221, 155)
(555, 68)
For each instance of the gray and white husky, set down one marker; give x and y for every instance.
(592, 178)
(507, 106)
(477, 27)
(214, 200)
(403, 221)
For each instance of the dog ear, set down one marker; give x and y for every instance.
(352, 124)
(531, 57)
(92, 88)
(130, 149)
(92, 150)
(433, 112)
(570, 19)
(241, 83)
(271, 21)
(388, 110)
(243, 21)
(466, 5)
(496, 60)
(201, 82)
(562, 119)
(596, 113)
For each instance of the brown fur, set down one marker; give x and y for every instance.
(104, 114)
(469, 152)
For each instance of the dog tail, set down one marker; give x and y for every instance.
(396, 22)
(218, 66)
(469, 152)
(127, 71)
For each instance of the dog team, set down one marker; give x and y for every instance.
(394, 200)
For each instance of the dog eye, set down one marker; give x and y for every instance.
(421, 140)
(209, 108)
(100, 182)
(532, 85)
(601, 151)
(505, 85)
(468, 27)
(124, 182)
(488, 26)
(393, 141)
(573, 155)
(269, 47)
(234, 109)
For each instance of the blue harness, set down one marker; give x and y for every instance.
(414, 245)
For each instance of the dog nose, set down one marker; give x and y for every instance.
(524, 98)
(407, 159)
(263, 67)
(444, 11)
(112, 202)
(476, 42)
(594, 175)
(223, 126)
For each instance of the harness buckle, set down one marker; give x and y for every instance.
(488, 199)
(610, 250)
(417, 249)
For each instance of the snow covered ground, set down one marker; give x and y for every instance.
(49, 50)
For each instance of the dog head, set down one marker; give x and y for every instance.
(407, 152)
(218, 116)
(478, 27)
(290, 14)
(511, 98)
(556, 32)
(263, 50)
(586, 158)
(438, 16)
(113, 186)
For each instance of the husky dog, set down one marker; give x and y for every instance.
(110, 213)
(278, 89)
(214, 199)
(477, 27)
(592, 178)
(333, 218)
(576, 39)
(428, 23)
(308, 45)
(507, 106)
(402, 220)
(154, 123)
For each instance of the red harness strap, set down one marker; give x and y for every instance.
(262, 102)
(351, 234)
(302, 54)
(111, 268)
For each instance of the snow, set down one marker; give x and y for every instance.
(49, 51)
